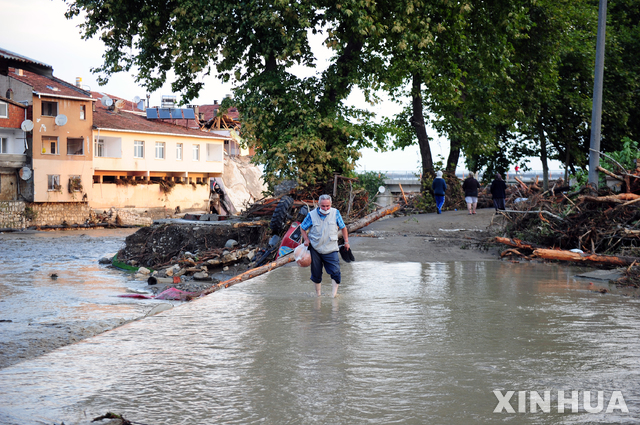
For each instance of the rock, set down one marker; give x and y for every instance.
(159, 309)
(188, 254)
(225, 252)
(180, 272)
(225, 268)
(107, 259)
(144, 271)
(201, 276)
(169, 272)
(231, 243)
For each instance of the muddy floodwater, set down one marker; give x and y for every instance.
(404, 343)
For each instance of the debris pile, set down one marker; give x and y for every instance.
(600, 227)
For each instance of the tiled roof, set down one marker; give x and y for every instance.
(51, 86)
(129, 118)
(10, 59)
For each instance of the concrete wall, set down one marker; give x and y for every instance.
(106, 195)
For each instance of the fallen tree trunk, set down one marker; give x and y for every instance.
(610, 260)
(286, 259)
(377, 215)
(516, 243)
(281, 261)
(615, 199)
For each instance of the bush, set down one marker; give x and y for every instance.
(370, 181)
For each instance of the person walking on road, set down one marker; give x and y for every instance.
(470, 187)
(320, 232)
(439, 186)
(498, 192)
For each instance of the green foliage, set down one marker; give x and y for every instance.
(625, 157)
(370, 181)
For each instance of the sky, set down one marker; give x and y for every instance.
(39, 30)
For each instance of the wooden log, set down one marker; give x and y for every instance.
(609, 173)
(516, 243)
(281, 261)
(377, 215)
(560, 255)
(615, 199)
(550, 214)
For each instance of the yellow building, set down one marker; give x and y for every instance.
(144, 161)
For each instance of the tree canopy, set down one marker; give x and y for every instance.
(502, 79)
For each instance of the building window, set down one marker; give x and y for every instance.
(179, 151)
(49, 145)
(4, 110)
(159, 150)
(138, 149)
(196, 152)
(75, 146)
(75, 184)
(4, 145)
(49, 109)
(98, 149)
(83, 112)
(53, 182)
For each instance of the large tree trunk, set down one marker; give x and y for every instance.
(454, 154)
(417, 121)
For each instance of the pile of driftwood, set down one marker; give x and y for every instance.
(352, 203)
(587, 226)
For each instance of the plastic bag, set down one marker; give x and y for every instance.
(302, 255)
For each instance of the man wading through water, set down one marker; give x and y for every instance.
(320, 232)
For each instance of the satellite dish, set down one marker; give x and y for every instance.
(25, 173)
(382, 189)
(120, 104)
(136, 99)
(61, 120)
(27, 125)
(106, 101)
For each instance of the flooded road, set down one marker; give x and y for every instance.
(406, 343)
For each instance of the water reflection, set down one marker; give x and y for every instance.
(403, 343)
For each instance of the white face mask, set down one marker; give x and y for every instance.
(323, 212)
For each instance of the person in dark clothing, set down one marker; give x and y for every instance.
(470, 187)
(498, 192)
(439, 186)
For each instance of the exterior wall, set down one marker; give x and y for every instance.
(8, 187)
(65, 169)
(21, 91)
(61, 162)
(12, 215)
(16, 115)
(119, 149)
(57, 213)
(185, 196)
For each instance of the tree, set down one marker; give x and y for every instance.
(300, 127)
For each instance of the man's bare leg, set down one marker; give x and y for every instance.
(318, 290)
(334, 288)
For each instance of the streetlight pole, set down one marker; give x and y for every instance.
(596, 109)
